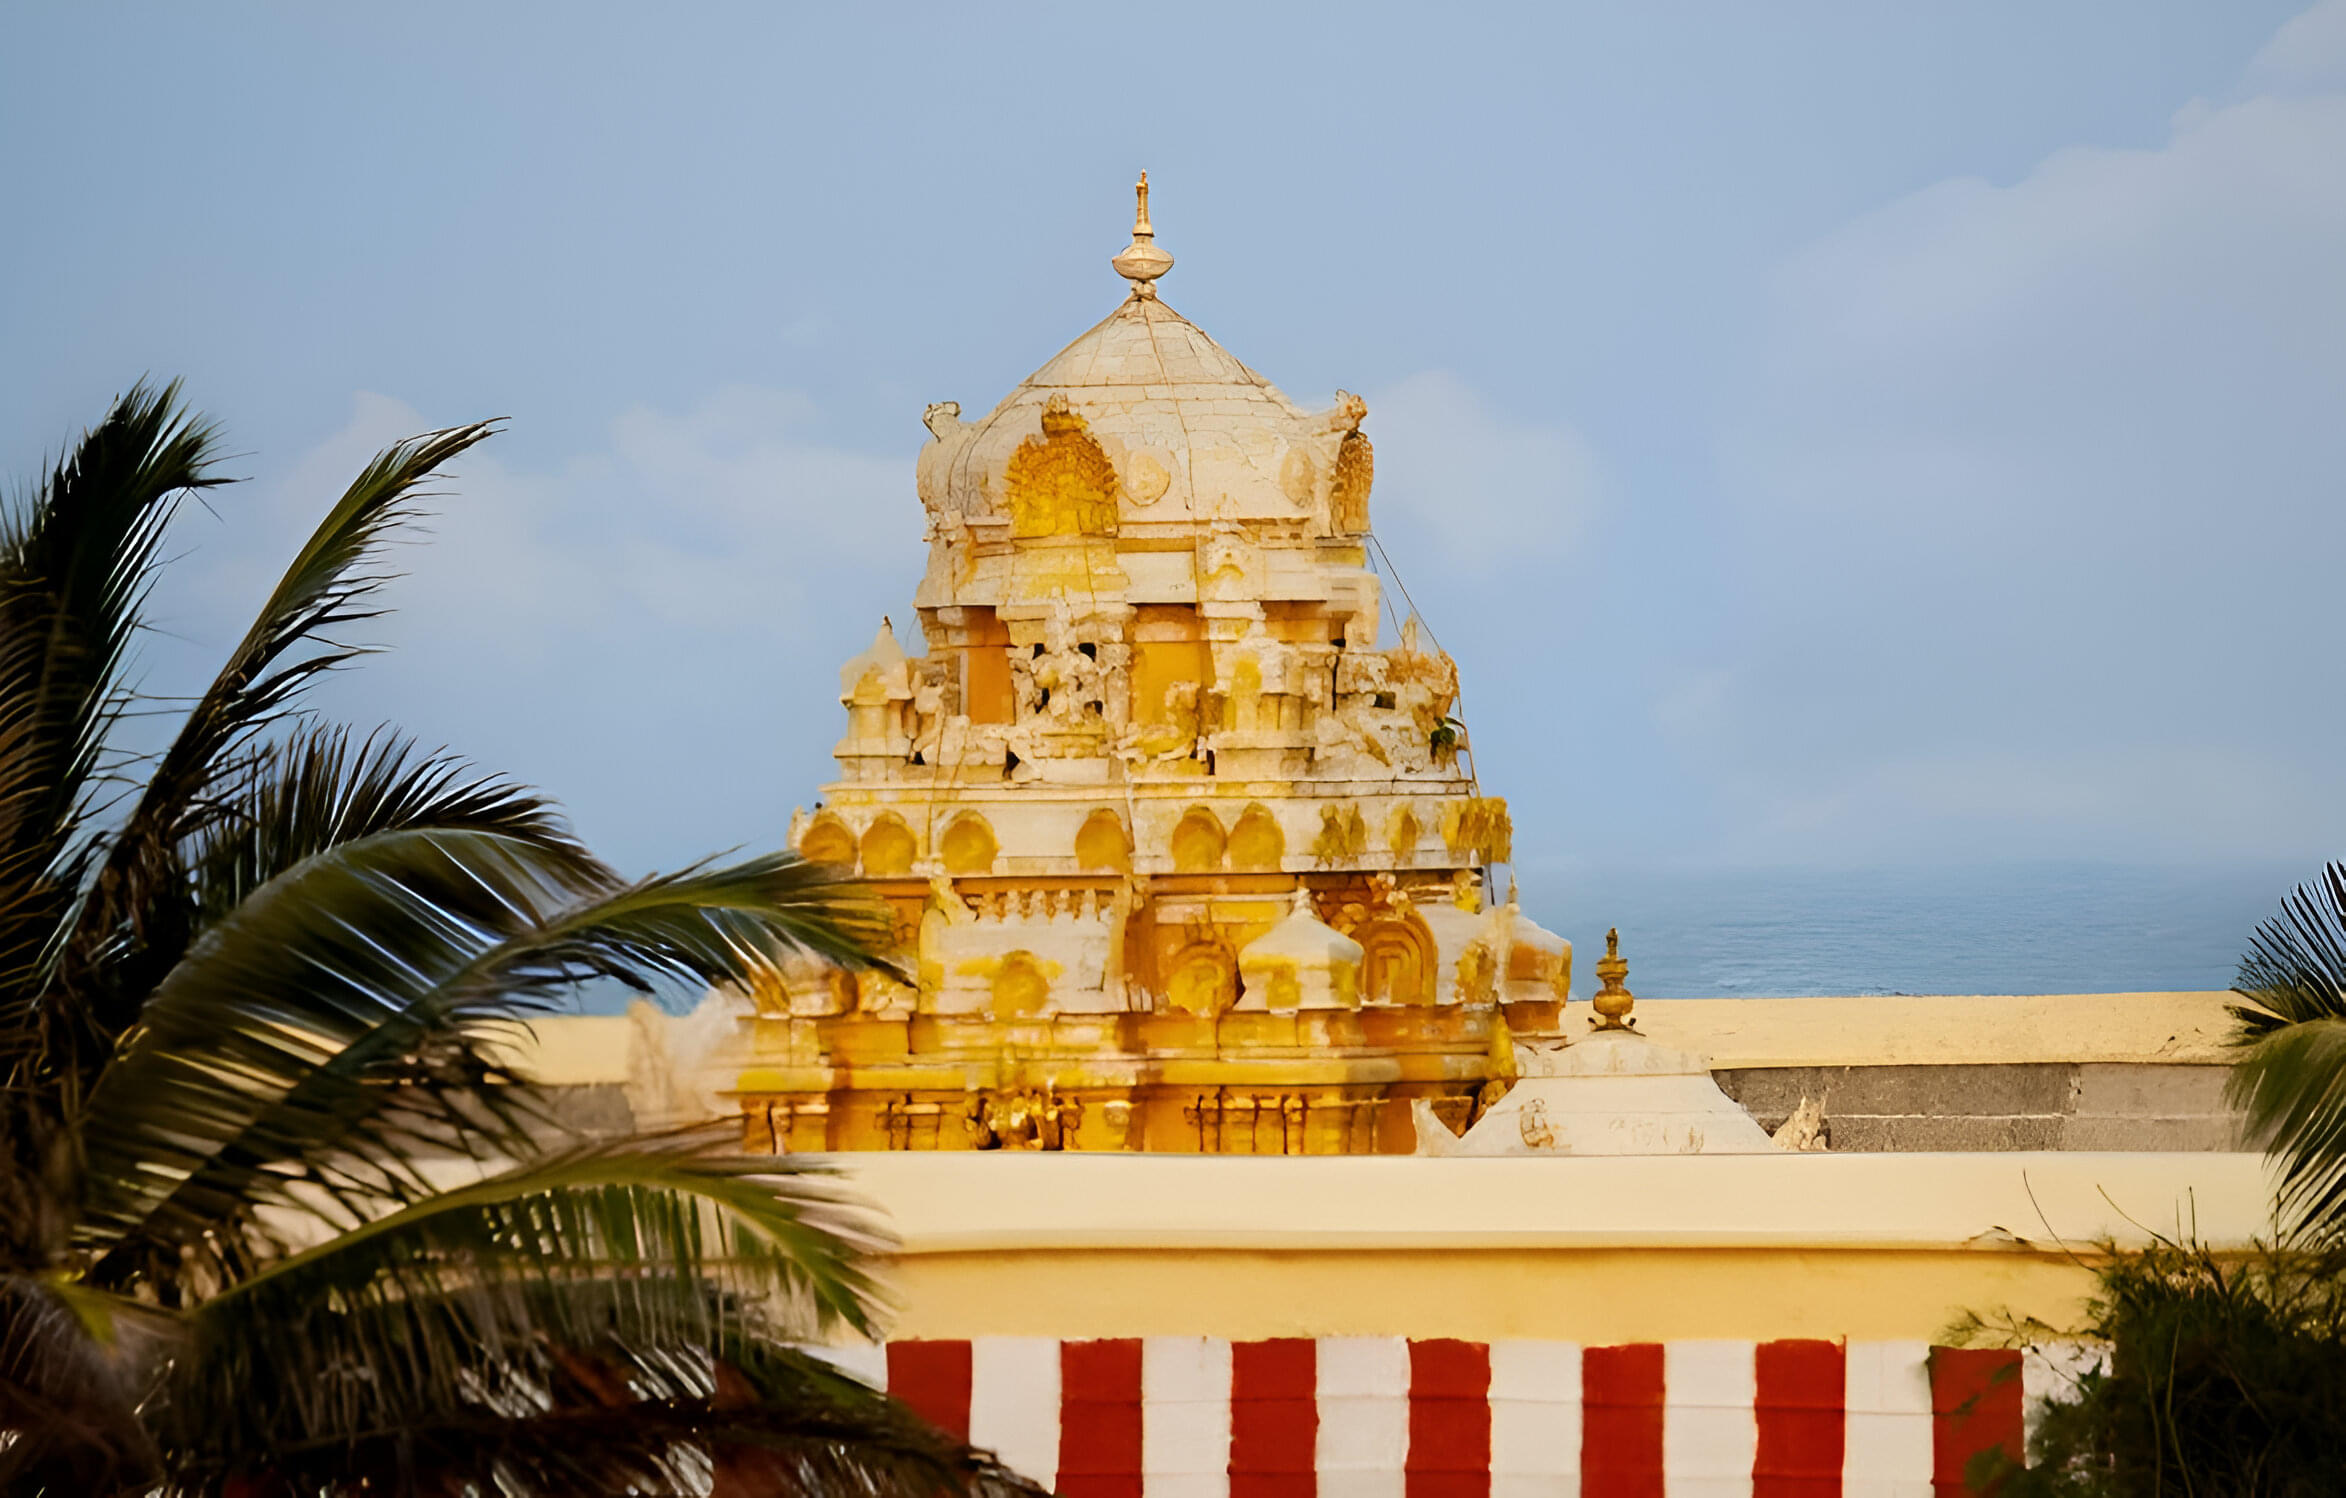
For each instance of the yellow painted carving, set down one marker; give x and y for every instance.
(1198, 842)
(1145, 479)
(1020, 988)
(1479, 826)
(888, 848)
(1101, 843)
(968, 845)
(1204, 979)
(1256, 842)
(1477, 974)
(827, 840)
(1406, 832)
(1343, 835)
(1348, 489)
(1283, 990)
(1061, 483)
(1298, 476)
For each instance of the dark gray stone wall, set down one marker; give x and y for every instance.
(2045, 1105)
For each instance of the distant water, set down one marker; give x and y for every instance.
(2030, 928)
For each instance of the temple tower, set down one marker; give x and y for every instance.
(1185, 853)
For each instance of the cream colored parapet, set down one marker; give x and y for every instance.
(1981, 1030)
(2171, 1028)
(1590, 1250)
(2011, 1202)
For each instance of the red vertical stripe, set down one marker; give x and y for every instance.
(933, 1378)
(1449, 1420)
(1099, 1419)
(1975, 1406)
(1274, 1418)
(1621, 1421)
(1802, 1388)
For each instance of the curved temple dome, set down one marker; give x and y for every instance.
(1153, 725)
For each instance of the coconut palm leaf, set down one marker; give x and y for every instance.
(275, 1216)
(264, 1069)
(76, 561)
(319, 789)
(76, 558)
(137, 920)
(492, 1303)
(69, 1390)
(743, 1417)
(2290, 1080)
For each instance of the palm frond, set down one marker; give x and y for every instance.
(773, 1226)
(69, 1392)
(137, 916)
(741, 1417)
(76, 562)
(2290, 1079)
(485, 1304)
(337, 951)
(2295, 969)
(330, 1117)
(2290, 1084)
(318, 789)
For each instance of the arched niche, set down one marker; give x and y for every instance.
(1198, 842)
(1256, 842)
(827, 840)
(1103, 844)
(1202, 978)
(888, 847)
(1396, 960)
(968, 845)
(1021, 988)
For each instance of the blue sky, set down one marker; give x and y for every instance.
(1827, 435)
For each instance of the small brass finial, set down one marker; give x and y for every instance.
(1142, 262)
(1613, 1000)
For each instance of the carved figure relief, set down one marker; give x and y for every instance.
(1478, 827)
(1021, 989)
(1406, 832)
(1354, 470)
(1022, 1118)
(1146, 478)
(1202, 979)
(1061, 483)
(1343, 835)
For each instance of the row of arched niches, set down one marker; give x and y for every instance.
(1200, 844)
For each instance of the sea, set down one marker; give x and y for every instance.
(2000, 929)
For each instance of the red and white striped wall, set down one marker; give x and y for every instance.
(1389, 1417)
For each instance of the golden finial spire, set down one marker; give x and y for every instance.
(1142, 262)
(1613, 1001)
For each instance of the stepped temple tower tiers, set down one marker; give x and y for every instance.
(1185, 848)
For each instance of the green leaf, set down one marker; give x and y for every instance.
(137, 922)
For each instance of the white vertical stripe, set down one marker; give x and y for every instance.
(865, 1362)
(1535, 1420)
(1364, 1416)
(1185, 1417)
(1014, 1403)
(1710, 1430)
(1888, 1444)
(2049, 1374)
